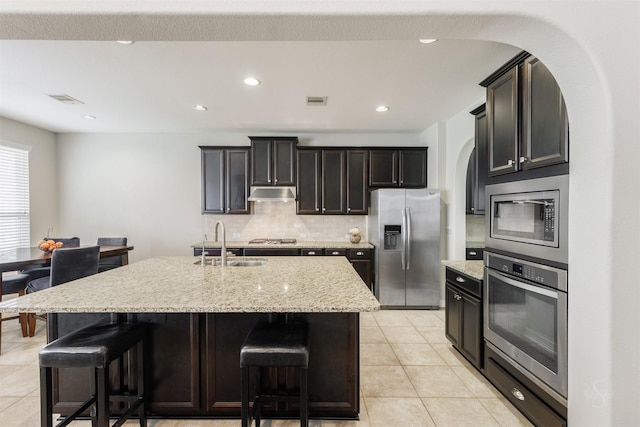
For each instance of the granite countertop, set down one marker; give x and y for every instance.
(178, 285)
(473, 269)
(338, 244)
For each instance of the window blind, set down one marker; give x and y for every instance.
(14, 197)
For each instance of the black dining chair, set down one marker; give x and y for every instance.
(67, 264)
(37, 271)
(15, 284)
(111, 262)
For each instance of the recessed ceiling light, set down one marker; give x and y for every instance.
(427, 41)
(382, 108)
(251, 81)
(88, 117)
(125, 41)
(200, 108)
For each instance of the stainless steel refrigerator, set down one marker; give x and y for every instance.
(406, 227)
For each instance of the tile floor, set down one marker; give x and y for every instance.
(410, 376)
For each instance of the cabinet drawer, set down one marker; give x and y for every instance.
(335, 252)
(521, 397)
(464, 282)
(312, 252)
(359, 254)
(474, 254)
(272, 252)
(216, 251)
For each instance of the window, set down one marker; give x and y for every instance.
(14, 196)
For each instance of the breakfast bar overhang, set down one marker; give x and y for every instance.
(199, 316)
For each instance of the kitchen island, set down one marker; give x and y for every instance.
(199, 317)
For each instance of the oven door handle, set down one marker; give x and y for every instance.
(525, 286)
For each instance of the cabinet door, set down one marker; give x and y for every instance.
(383, 168)
(284, 170)
(357, 161)
(237, 181)
(213, 181)
(308, 182)
(545, 128)
(334, 198)
(452, 315)
(363, 267)
(261, 162)
(174, 362)
(481, 163)
(413, 168)
(471, 183)
(470, 339)
(502, 115)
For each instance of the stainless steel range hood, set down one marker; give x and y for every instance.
(272, 194)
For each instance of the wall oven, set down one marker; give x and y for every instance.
(529, 219)
(525, 319)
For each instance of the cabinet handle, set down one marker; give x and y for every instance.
(348, 210)
(360, 253)
(276, 180)
(323, 210)
(335, 253)
(473, 253)
(510, 162)
(269, 180)
(228, 209)
(460, 279)
(457, 297)
(523, 159)
(317, 209)
(517, 394)
(311, 253)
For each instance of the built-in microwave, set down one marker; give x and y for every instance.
(529, 218)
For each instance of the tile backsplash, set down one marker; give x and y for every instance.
(279, 220)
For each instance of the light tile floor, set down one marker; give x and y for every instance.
(410, 376)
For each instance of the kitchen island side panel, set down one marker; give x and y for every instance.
(194, 360)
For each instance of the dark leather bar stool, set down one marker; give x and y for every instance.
(94, 347)
(275, 345)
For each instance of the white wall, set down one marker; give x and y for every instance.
(43, 173)
(147, 187)
(593, 50)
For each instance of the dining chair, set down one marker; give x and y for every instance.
(67, 264)
(108, 263)
(37, 271)
(15, 284)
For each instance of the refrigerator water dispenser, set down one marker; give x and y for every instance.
(392, 237)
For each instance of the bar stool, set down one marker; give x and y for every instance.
(94, 347)
(275, 345)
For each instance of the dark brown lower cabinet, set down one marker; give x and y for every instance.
(193, 361)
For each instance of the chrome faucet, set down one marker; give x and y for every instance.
(223, 250)
(203, 251)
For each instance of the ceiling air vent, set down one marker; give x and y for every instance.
(317, 100)
(66, 99)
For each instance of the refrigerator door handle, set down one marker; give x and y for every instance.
(407, 214)
(403, 252)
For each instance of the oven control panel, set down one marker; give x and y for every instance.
(538, 273)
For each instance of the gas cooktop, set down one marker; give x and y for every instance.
(272, 241)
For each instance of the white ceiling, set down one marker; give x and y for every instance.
(152, 86)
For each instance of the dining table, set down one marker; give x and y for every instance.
(18, 259)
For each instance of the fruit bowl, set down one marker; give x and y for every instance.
(48, 246)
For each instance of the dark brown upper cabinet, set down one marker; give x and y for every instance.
(390, 168)
(225, 180)
(357, 189)
(308, 197)
(526, 117)
(273, 161)
(478, 165)
(332, 181)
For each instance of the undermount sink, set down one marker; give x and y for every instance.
(238, 262)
